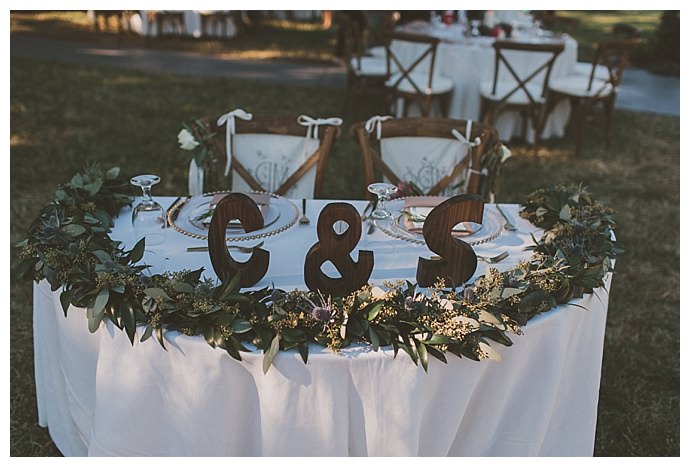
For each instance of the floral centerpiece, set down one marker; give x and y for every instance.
(68, 245)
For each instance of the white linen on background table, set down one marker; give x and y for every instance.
(469, 61)
(101, 396)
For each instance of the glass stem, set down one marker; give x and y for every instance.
(146, 193)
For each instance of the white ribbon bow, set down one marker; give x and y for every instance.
(468, 135)
(312, 125)
(195, 179)
(467, 139)
(375, 123)
(228, 120)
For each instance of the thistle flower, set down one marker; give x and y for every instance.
(321, 314)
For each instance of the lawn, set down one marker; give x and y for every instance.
(63, 116)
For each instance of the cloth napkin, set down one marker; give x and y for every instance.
(420, 207)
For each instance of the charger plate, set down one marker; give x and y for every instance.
(470, 233)
(183, 216)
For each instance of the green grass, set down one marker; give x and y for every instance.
(63, 116)
(595, 26)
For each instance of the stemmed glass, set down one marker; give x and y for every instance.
(475, 28)
(382, 191)
(148, 217)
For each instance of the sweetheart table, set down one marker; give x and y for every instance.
(99, 395)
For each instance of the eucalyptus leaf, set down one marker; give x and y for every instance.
(66, 299)
(137, 252)
(374, 337)
(374, 311)
(423, 356)
(112, 173)
(73, 230)
(102, 256)
(155, 292)
(240, 326)
(147, 334)
(271, 354)
(183, 287)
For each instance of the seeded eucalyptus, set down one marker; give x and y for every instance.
(68, 245)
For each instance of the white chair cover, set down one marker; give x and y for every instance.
(424, 160)
(272, 159)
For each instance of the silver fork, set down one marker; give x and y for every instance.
(304, 220)
(494, 259)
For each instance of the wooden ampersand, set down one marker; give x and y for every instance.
(457, 261)
(242, 207)
(336, 248)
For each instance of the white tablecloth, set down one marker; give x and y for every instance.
(192, 24)
(469, 61)
(101, 396)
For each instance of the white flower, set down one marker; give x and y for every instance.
(186, 140)
(505, 153)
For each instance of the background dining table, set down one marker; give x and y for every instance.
(468, 61)
(100, 395)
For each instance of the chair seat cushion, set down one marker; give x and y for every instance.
(585, 69)
(369, 66)
(377, 51)
(503, 88)
(575, 85)
(439, 85)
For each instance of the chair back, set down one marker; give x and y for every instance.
(615, 56)
(505, 52)
(352, 34)
(440, 156)
(423, 60)
(282, 155)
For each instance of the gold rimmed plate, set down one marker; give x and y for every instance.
(191, 216)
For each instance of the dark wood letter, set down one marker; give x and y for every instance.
(458, 260)
(336, 248)
(242, 207)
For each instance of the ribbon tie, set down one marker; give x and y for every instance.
(467, 139)
(312, 125)
(374, 123)
(468, 135)
(228, 120)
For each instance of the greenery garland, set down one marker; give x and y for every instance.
(69, 246)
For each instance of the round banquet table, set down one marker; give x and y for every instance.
(99, 395)
(468, 61)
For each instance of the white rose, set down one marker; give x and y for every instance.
(186, 140)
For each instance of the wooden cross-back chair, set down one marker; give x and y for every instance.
(524, 92)
(288, 126)
(364, 72)
(599, 85)
(415, 80)
(478, 168)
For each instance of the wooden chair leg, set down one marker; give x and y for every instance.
(608, 111)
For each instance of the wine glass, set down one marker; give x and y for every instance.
(475, 28)
(148, 217)
(382, 191)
